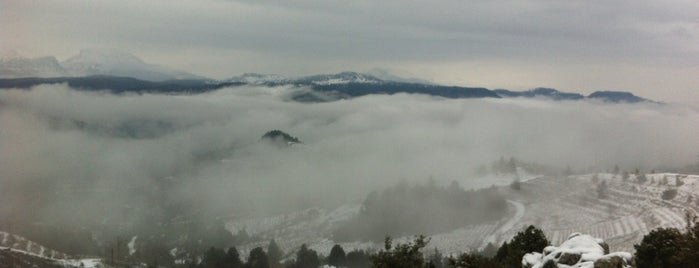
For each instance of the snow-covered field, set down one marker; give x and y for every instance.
(559, 206)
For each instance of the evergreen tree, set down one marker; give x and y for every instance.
(489, 251)
(257, 259)
(274, 253)
(213, 258)
(467, 260)
(641, 178)
(307, 258)
(435, 259)
(531, 239)
(659, 248)
(602, 190)
(625, 176)
(406, 255)
(232, 259)
(358, 259)
(337, 257)
(516, 184)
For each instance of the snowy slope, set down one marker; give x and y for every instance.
(560, 206)
(119, 63)
(13, 65)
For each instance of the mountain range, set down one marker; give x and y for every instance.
(86, 63)
(118, 72)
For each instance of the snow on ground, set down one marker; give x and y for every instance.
(578, 251)
(559, 206)
(86, 263)
(21, 244)
(132, 245)
(519, 213)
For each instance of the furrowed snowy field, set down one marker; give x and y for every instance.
(559, 206)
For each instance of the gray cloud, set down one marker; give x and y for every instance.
(448, 42)
(110, 148)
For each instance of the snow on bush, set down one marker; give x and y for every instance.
(580, 251)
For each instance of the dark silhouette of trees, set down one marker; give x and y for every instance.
(531, 239)
(274, 254)
(232, 259)
(337, 257)
(214, 257)
(467, 260)
(659, 248)
(306, 258)
(358, 259)
(602, 189)
(669, 194)
(668, 247)
(406, 210)
(435, 259)
(406, 255)
(257, 259)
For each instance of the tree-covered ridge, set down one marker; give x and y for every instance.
(405, 210)
(280, 137)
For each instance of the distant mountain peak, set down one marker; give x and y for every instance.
(338, 78)
(257, 78)
(540, 92)
(11, 54)
(280, 138)
(617, 96)
(104, 56)
(607, 96)
(115, 62)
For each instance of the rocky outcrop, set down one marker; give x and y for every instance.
(580, 251)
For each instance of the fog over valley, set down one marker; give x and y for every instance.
(349, 134)
(204, 151)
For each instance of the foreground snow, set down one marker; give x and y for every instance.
(581, 251)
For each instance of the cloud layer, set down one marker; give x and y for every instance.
(203, 151)
(647, 47)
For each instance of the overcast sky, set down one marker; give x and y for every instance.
(648, 47)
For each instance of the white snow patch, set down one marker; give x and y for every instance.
(587, 247)
(132, 245)
(519, 213)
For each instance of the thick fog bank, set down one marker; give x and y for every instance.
(63, 150)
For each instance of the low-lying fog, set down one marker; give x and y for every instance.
(95, 151)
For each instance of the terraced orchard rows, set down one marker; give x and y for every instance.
(617, 209)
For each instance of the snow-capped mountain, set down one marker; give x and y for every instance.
(313, 80)
(119, 63)
(339, 78)
(13, 65)
(257, 79)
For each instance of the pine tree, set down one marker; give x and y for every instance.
(232, 259)
(406, 255)
(274, 253)
(337, 256)
(214, 257)
(358, 259)
(530, 240)
(307, 258)
(257, 259)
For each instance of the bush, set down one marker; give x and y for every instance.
(669, 194)
(420, 209)
(531, 239)
(659, 248)
(467, 260)
(406, 255)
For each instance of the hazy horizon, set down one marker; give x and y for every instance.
(644, 47)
